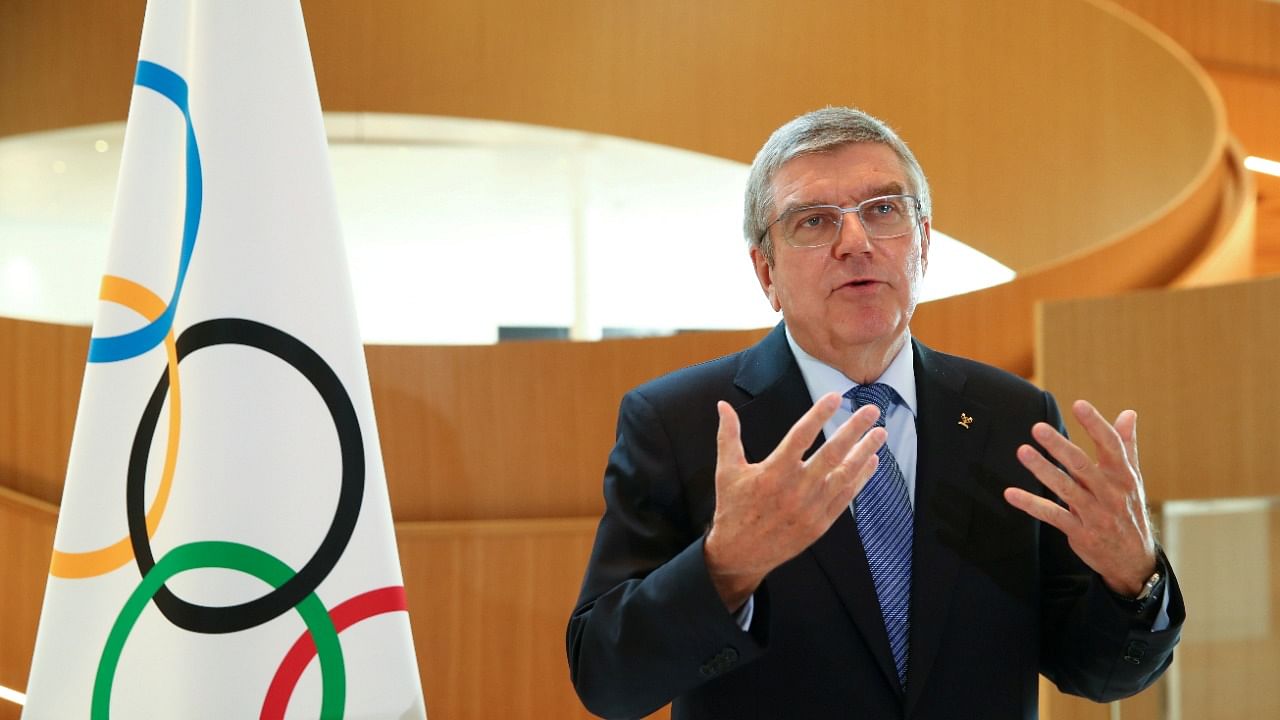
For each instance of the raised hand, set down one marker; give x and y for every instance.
(1106, 519)
(768, 512)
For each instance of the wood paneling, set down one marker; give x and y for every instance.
(1198, 366)
(1231, 252)
(1253, 113)
(26, 536)
(1032, 116)
(41, 367)
(64, 64)
(995, 325)
(1236, 33)
(1252, 101)
(513, 430)
(489, 602)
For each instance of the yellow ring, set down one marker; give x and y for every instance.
(103, 560)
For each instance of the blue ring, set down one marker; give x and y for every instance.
(132, 344)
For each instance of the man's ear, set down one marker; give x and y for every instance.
(924, 246)
(764, 273)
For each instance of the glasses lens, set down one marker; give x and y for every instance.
(811, 226)
(888, 216)
(882, 217)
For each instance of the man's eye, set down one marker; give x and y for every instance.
(885, 208)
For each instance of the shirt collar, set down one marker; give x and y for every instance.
(821, 378)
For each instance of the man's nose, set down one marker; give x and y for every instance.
(851, 237)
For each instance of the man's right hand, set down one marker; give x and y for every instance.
(770, 511)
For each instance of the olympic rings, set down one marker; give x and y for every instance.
(232, 556)
(233, 618)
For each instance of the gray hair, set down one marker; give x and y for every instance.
(818, 131)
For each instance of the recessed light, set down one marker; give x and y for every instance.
(1262, 165)
(12, 696)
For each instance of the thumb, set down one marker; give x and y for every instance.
(729, 452)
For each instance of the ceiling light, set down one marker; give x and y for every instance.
(12, 696)
(1262, 165)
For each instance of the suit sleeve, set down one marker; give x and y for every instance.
(1090, 643)
(648, 625)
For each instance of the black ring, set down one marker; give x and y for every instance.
(233, 618)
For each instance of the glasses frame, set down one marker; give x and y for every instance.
(856, 210)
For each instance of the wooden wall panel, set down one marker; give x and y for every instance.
(64, 64)
(1253, 112)
(41, 367)
(1234, 33)
(667, 70)
(995, 325)
(1252, 101)
(26, 537)
(516, 429)
(1076, 86)
(1198, 366)
(489, 602)
(1231, 253)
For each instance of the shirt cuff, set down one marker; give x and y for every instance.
(1162, 617)
(743, 616)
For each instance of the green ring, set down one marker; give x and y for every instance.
(231, 556)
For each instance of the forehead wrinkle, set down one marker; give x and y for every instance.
(892, 187)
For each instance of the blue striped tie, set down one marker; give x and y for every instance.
(883, 514)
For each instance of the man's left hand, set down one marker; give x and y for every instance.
(1105, 518)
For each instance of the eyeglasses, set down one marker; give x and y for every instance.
(888, 216)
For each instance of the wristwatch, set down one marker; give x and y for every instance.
(1147, 602)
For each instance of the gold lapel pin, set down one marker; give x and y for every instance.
(965, 421)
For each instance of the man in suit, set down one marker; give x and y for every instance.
(841, 522)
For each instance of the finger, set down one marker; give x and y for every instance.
(802, 434)
(1105, 438)
(729, 452)
(1051, 476)
(848, 480)
(1076, 461)
(1127, 428)
(1042, 509)
(834, 450)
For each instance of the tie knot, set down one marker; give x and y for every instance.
(877, 394)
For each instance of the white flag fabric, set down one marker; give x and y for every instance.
(225, 546)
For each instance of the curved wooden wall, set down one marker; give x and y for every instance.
(1031, 116)
(1061, 137)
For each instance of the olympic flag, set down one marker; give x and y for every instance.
(225, 546)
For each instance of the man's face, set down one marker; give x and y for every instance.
(857, 294)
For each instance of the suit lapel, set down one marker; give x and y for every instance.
(949, 446)
(771, 375)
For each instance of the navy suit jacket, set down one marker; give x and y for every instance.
(996, 597)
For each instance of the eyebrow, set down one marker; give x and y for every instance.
(891, 188)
